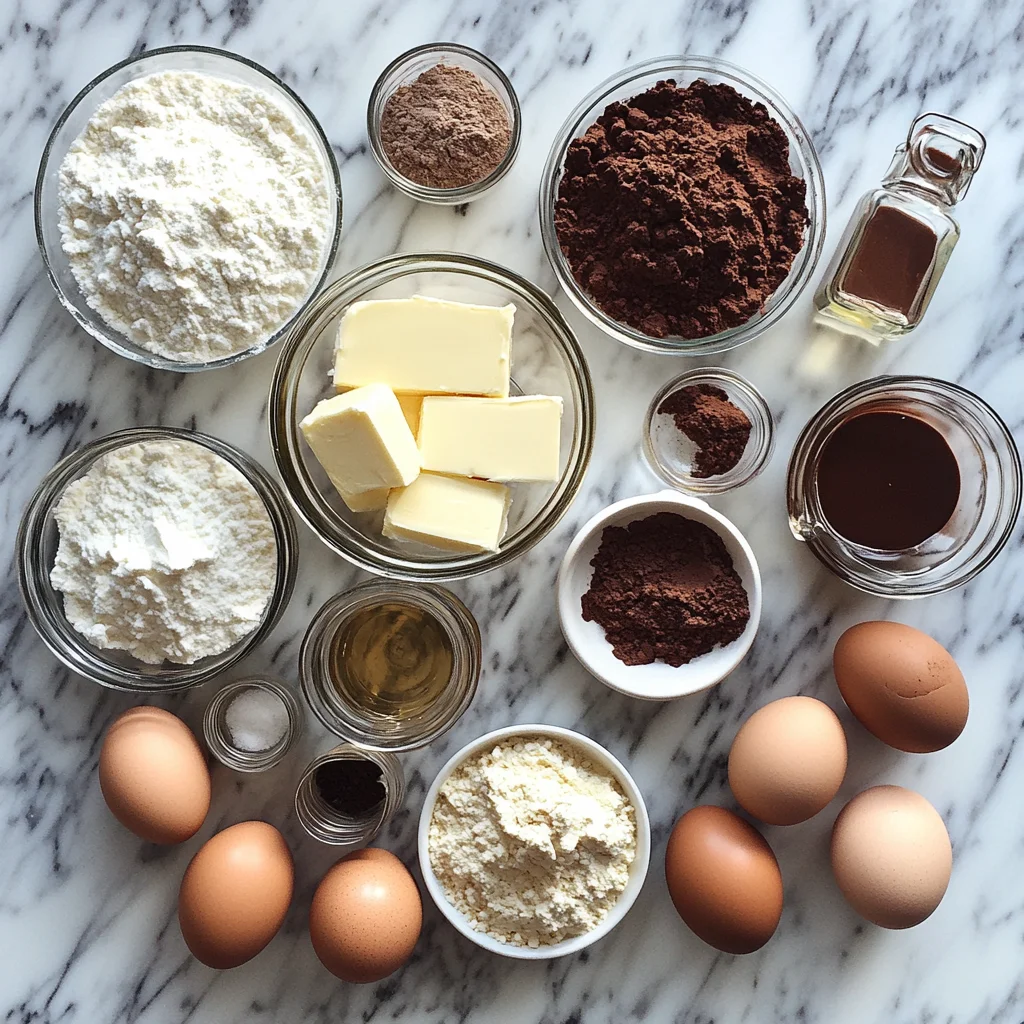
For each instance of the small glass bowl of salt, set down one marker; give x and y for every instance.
(251, 724)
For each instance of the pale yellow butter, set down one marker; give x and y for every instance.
(492, 438)
(365, 501)
(449, 512)
(363, 442)
(425, 346)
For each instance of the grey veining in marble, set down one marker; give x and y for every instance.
(88, 933)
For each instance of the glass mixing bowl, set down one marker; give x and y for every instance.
(221, 64)
(803, 163)
(38, 537)
(546, 359)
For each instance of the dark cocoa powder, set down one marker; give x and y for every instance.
(665, 588)
(719, 429)
(677, 211)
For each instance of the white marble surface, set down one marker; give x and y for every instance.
(87, 927)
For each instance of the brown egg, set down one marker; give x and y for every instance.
(366, 916)
(902, 685)
(153, 776)
(788, 760)
(723, 879)
(235, 894)
(891, 856)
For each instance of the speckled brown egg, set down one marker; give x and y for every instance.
(366, 916)
(153, 776)
(902, 685)
(235, 894)
(723, 879)
(788, 760)
(891, 856)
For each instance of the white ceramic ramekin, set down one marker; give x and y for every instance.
(637, 870)
(657, 681)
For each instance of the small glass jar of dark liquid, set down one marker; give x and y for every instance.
(902, 234)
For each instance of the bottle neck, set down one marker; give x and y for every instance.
(938, 161)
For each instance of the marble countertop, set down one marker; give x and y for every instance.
(88, 932)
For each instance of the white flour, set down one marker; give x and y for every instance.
(194, 212)
(532, 842)
(166, 551)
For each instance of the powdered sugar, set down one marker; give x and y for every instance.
(194, 213)
(166, 551)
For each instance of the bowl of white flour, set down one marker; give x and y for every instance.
(534, 841)
(155, 558)
(187, 208)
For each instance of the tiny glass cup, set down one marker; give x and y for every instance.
(328, 825)
(407, 67)
(224, 745)
(375, 731)
(669, 452)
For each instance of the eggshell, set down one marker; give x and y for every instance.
(788, 760)
(723, 879)
(902, 685)
(366, 916)
(153, 776)
(891, 856)
(235, 894)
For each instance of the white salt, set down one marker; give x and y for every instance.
(257, 720)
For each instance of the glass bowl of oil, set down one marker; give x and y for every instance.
(390, 665)
(546, 359)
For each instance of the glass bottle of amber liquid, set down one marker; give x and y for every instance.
(901, 235)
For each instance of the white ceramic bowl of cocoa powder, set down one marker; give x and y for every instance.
(658, 680)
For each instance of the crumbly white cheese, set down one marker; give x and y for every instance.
(532, 841)
(166, 551)
(194, 212)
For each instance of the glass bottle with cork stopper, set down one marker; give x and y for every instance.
(901, 235)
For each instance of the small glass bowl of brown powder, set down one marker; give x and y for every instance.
(708, 431)
(682, 206)
(444, 123)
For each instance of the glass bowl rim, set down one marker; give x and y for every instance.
(900, 586)
(306, 498)
(728, 481)
(65, 643)
(108, 336)
(810, 253)
(427, 193)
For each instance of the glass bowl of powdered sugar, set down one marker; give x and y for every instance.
(187, 208)
(155, 558)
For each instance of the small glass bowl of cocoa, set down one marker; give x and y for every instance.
(708, 431)
(444, 123)
(671, 288)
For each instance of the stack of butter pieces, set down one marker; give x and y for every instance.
(424, 426)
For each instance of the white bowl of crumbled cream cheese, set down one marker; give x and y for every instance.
(187, 208)
(534, 841)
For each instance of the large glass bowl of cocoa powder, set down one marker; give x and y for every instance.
(685, 220)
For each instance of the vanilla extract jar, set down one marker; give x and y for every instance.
(901, 235)
(391, 665)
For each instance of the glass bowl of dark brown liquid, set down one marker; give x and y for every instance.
(904, 486)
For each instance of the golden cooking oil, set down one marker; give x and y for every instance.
(391, 659)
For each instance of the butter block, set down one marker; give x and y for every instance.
(364, 444)
(449, 512)
(425, 346)
(492, 438)
(365, 501)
